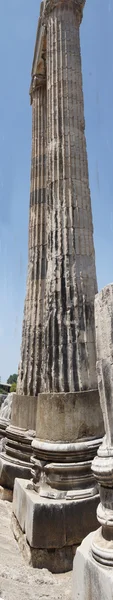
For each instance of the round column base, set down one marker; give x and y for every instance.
(15, 460)
(63, 470)
(102, 549)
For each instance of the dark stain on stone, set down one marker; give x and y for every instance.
(37, 197)
(74, 348)
(56, 343)
(64, 327)
(50, 351)
(38, 385)
(89, 312)
(56, 231)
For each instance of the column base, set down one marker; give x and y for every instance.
(52, 528)
(23, 412)
(90, 580)
(15, 460)
(3, 425)
(70, 475)
(10, 469)
(67, 429)
(102, 549)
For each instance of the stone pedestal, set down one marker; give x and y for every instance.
(15, 460)
(93, 576)
(91, 581)
(102, 466)
(50, 529)
(68, 430)
(59, 504)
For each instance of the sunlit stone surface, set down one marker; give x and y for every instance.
(96, 551)
(58, 361)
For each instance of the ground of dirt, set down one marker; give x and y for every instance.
(19, 581)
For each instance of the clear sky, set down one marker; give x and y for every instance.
(18, 24)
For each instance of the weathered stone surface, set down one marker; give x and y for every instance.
(102, 466)
(90, 580)
(22, 581)
(58, 337)
(15, 457)
(69, 336)
(52, 524)
(57, 560)
(68, 417)
(67, 427)
(3, 425)
(31, 349)
(23, 413)
(11, 468)
(2, 398)
(5, 410)
(104, 348)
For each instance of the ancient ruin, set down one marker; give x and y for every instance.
(3, 419)
(19, 433)
(96, 551)
(58, 338)
(58, 363)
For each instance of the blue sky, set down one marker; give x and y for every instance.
(18, 23)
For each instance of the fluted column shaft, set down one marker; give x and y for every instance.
(31, 349)
(69, 345)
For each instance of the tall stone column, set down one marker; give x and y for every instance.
(15, 460)
(31, 348)
(71, 283)
(68, 370)
(69, 423)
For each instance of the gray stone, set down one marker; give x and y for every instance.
(92, 573)
(23, 413)
(5, 410)
(52, 524)
(91, 581)
(2, 398)
(102, 465)
(58, 338)
(58, 334)
(9, 469)
(15, 457)
(56, 560)
(67, 427)
(58, 361)
(17, 579)
(69, 417)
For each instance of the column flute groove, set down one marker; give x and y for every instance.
(71, 275)
(29, 379)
